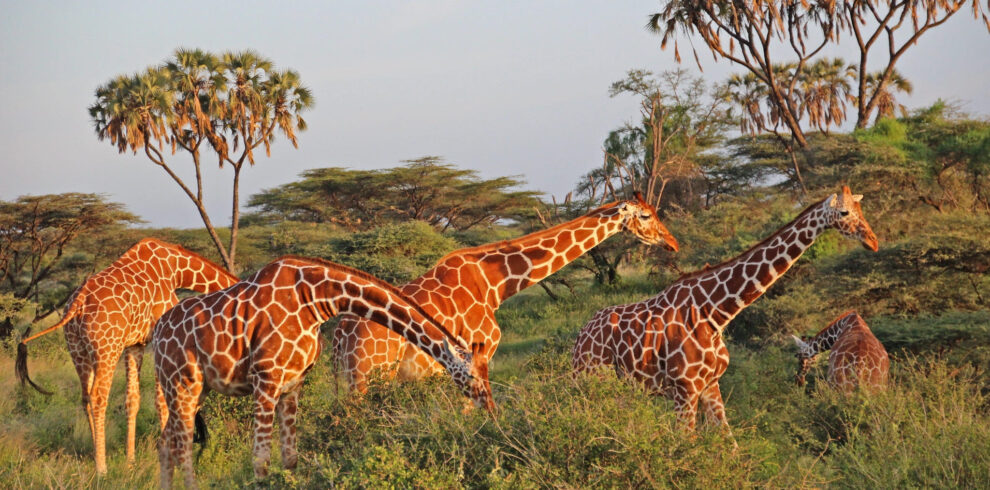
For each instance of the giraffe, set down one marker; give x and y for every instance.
(467, 286)
(673, 342)
(111, 313)
(260, 336)
(857, 357)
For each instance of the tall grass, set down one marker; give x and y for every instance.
(552, 430)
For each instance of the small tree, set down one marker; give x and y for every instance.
(234, 103)
(34, 234)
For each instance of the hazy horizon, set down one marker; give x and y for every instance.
(513, 88)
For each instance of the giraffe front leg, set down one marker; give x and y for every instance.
(714, 408)
(133, 356)
(287, 407)
(686, 404)
(266, 396)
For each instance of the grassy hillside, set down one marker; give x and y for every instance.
(930, 429)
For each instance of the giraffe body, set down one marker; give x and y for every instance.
(673, 342)
(112, 313)
(857, 358)
(467, 286)
(259, 337)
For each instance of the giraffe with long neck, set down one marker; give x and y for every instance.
(259, 337)
(673, 341)
(112, 313)
(857, 358)
(467, 286)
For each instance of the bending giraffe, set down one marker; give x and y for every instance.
(111, 313)
(260, 336)
(673, 342)
(467, 286)
(857, 359)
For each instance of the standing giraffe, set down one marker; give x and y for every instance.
(112, 312)
(466, 287)
(857, 357)
(673, 342)
(260, 336)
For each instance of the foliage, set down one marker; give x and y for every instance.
(232, 103)
(666, 155)
(426, 189)
(396, 253)
(751, 33)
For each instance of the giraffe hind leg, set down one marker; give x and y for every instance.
(133, 356)
(98, 411)
(288, 405)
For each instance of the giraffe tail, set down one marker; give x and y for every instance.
(202, 434)
(20, 363)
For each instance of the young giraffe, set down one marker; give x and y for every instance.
(466, 287)
(112, 313)
(673, 341)
(260, 336)
(857, 357)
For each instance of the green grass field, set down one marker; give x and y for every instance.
(930, 429)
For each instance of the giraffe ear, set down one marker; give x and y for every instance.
(857, 197)
(798, 341)
(831, 200)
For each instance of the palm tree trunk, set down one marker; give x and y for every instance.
(235, 215)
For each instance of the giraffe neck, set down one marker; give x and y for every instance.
(825, 339)
(328, 291)
(734, 285)
(191, 271)
(514, 265)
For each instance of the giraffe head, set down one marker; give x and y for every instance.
(471, 373)
(845, 214)
(641, 219)
(805, 355)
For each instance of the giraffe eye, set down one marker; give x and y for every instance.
(644, 216)
(844, 213)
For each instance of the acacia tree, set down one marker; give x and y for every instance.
(750, 32)
(426, 189)
(230, 104)
(34, 234)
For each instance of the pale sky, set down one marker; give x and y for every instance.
(506, 88)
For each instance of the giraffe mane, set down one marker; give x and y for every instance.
(716, 268)
(380, 283)
(489, 247)
(183, 250)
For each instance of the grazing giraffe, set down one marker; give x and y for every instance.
(673, 342)
(112, 312)
(260, 336)
(466, 287)
(857, 357)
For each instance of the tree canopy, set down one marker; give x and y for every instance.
(426, 189)
(231, 104)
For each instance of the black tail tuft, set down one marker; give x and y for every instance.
(21, 368)
(202, 434)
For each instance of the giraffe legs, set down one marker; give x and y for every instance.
(97, 412)
(132, 358)
(175, 446)
(686, 404)
(287, 407)
(714, 408)
(266, 396)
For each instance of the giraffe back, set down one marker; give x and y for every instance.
(858, 359)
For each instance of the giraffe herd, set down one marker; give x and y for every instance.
(259, 336)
